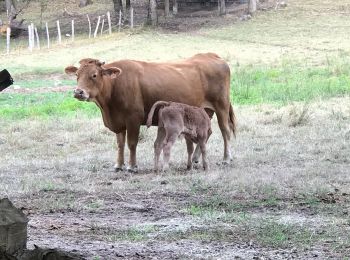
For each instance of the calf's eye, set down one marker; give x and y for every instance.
(94, 76)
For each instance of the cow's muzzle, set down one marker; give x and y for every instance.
(79, 94)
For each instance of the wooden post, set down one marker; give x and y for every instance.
(37, 38)
(131, 17)
(89, 25)
(97, 25)
(109, 22)
(103, 23)
(175, 7)
(59, 32)
(73, 30)
(32, 35)
(8, 35)
(29, 38)
(120, 20)
(166, 8)
(47, 36)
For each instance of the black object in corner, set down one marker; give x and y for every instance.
(5, 79)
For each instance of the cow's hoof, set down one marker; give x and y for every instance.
(133, 169)
(223, 163)
(118, 168)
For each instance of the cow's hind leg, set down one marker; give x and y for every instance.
(189, 145)
(158, 145)
(120, 166)
(223, 117)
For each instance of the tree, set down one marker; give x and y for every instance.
(222, 7)
(84, 3)
(252, 6)
(10, 7)
(175, 7)
(166, 8)
(152, 12)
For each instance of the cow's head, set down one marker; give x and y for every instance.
(91, 77)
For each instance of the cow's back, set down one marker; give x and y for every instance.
(198, 81)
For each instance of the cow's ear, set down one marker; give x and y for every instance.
(113, 72)
(70, 70)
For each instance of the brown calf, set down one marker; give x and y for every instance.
(175, 119)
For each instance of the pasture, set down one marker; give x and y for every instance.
(285, 195)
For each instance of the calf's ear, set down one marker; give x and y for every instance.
(70, 70)
(113, 72)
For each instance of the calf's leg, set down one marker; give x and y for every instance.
(189, 144)
(167, 144)
(158, 145)
(202, 145)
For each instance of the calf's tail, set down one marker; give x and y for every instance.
(232, 121)
(154, 107)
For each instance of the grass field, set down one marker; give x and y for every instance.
(286, 194)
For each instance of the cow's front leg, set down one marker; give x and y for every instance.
(132, 139)
(120, 166)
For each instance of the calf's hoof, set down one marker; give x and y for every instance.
(118, 168)
(133, 169)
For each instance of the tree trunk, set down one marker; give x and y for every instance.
(175, 7)
(166, 8)
(252, 7)
(10, 7)
(152, 12)
(222, 7)
(117, 7)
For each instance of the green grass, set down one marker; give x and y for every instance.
(289, 82)
(20, 106)
(42, 83)
(249, 85)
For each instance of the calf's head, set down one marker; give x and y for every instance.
(91, 77)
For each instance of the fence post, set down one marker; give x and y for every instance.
(30, 38)
(120, 20)
(103, 23)
(131, 17)
(47, 36)
(109, 22)
(8, 35)
(59, 32)
(73, 30)
(98, 23)
(37, 38)
(32, 35)
(89, 25)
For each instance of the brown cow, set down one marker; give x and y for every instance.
(125, 91)
(175, 119)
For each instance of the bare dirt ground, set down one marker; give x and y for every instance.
(286, 195)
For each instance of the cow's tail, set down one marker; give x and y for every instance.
(232, 121)
(154, 107)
